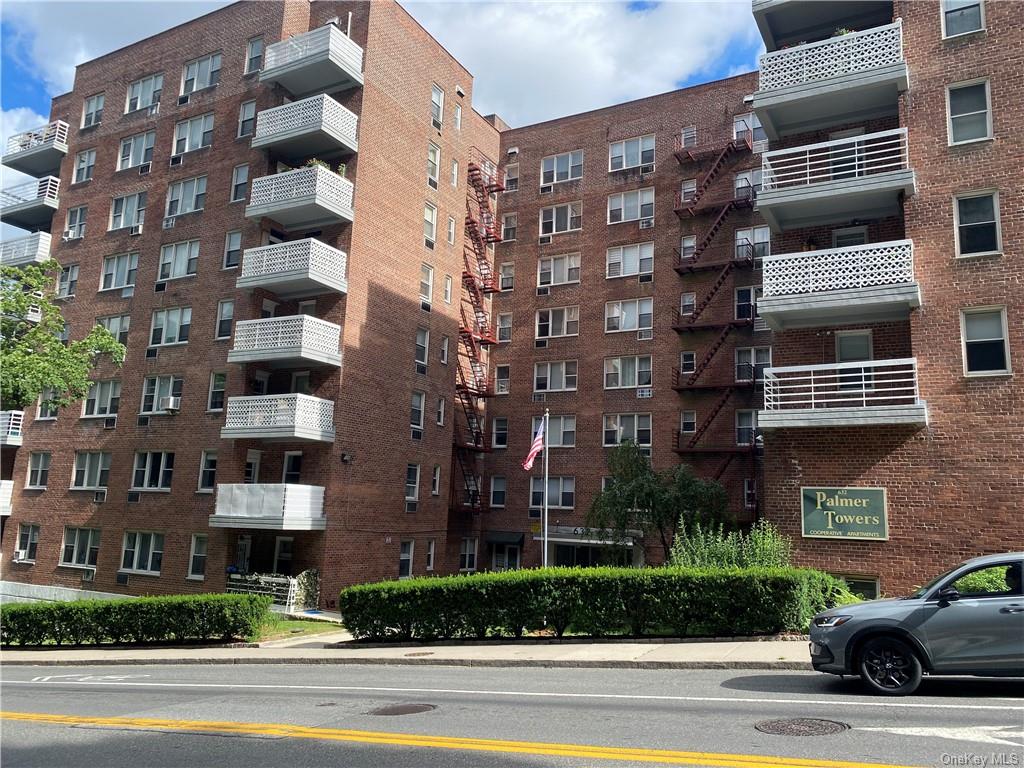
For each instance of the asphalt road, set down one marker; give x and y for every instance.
(303, 716)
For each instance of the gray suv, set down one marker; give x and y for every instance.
(968, 621)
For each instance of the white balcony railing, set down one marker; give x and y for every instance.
(44, 190)
(32, 249)
(837, 160)
(11, 425)
(53, 134)
(6, 495)
(836, 269)
(843, 55)
(300, 336)
(285, 416)
(278, 506)
(308, 259)
(319, 112)
(312, 182)
(314, 45)
(867, 384)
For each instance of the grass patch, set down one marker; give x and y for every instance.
(277, 627)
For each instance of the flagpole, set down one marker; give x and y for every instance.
(547, 416)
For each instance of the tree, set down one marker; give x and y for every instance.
(638, 498)
(33, 355)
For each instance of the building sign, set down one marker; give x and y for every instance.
(844, 513)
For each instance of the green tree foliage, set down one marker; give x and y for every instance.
(32, 356)
(638, 498)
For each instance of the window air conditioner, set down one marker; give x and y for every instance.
(646, 278)
(144, 168)
(643, 393)
(546, 189)
(647, 223)
(20, 556)
(543, 290)
(175, 160)
(168, 223)
(645, 334)
(135, 230)
(99, 497)
(184, 99)
(170, 404)
(110, 423)
(545, 239)
(539, 397)
(89, 575)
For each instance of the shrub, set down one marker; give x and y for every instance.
(137, 620)
(670, 601)
(709, 545)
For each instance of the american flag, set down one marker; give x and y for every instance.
(537, 447)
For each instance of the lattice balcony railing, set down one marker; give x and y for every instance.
(33, 249)
(309, 182)
(306, 114)
(314, 44)
(843, 55)
(285, 411)
(51, 134)
(836, 269)
(45, 189)
(292, 332)
(865, 384)
(837, 160)
(307, 256)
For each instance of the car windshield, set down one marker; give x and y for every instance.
(922, 591)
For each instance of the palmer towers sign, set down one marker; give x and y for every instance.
(844, 513)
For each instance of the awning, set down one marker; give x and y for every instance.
(504, 537)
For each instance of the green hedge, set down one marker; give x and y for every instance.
(593, 601)
(136, 620)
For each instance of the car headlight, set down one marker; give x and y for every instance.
(831, 621)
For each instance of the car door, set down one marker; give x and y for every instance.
(982, 631)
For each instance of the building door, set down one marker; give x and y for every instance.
(243, 551)
(846, 160)
(853, 347)
(283, 546)
(252, 467)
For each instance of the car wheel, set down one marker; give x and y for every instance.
(889, 666)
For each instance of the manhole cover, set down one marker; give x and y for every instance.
(420, 653)
(801, 726)
(403, 709)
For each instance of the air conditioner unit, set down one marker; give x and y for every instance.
(184, 99)
(540, 343)
(110, 423)
(643, 393)
(170, 404)
(432, 183)
(160, 287)
(645, 278)
(122, 579)
(545, 239)
(649, 168)
(152, 352)
(175, 160)
(543, 290)
(70, 234)
(425, 306)
(760, 146)
(417, 434)
(546, 189)
(512, 151)
(645, 334)
(134, 497)
(143, 421)
(135, 230)
(410, 506)
(89, 575)
(436, 123)
(647, 223)
(539, 397)
(99, 497)
(169, 222)
(144, 168)
(154, 109)
(20, 556)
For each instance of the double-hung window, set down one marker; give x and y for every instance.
(630, 315)
(118, 325)
(630, 206)
(504, 324)
(467, 554)
(626, 260)
(38, 471)
(511, 177)
(412, 486)
(128, 211)
(246, 118)
(558, 270)
(153, 470)
(961, 17)
(254, 55)
(85, 162)
(119, 271)
(501, 379)
(499, 434)
(197, 556)
(506, 277)
(47, 409)
(561, 492)
(76, 222)
(977, 224)
(747, 184)
(748, 126)
(436, 106)
(67, 282)
(28, 541)
(631, 153)
(418, 403)
(232, 249)
(509, 224)
(92, 470)
(746, 427)
(687, 362)
(225, 318)
(688, 422)
(627, 372)
(429, 224)
(178, 260)
(81, 547)
(218, 386)
(555, 169)
(144, 93)
(92, 111)
(102, 399)
(156, 389)
(422, 347)
(746, 302)
(556, 219)
(207, 471)
(558, 376)
(170, 326)
(751, 363)
(627, 427)
(194, 133)
(405, 550)
(970, 112)
(426, 283)
(561, 430)
(143, 552)
(433, 164)
(498, 490)
(186, 196)
(451, 230)
(239, 183)
(753, 242)
(136, 150)
(200, 73)
(558, 321)
(986, 346)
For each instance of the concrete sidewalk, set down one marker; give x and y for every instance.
(766, 654)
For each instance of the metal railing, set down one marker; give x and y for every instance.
(291, 332)
(835, 269)
(863, 384)
(267, 500)
(836, 56)
(258, 412)
(49, 134)
(311, 181)
(306, 256)
(44, 189)
(11, 424)
(34, 248)
(836, 160)
(307, 114)
(281, 589)
(313, 44)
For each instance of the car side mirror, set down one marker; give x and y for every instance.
(948, 595)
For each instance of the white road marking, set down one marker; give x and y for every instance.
(48, 678)
(986, 734)
(885, 703)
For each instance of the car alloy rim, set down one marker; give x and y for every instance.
(887, 666)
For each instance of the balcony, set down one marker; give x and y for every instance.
(30, 205)
(279, 417)
(283, 342)
(846, 79)
(843, 394)
(294, 269)
(11, 426)
(270, 507)
(859, 284)
(314, 127)
(6, 494)
(785, 23)
(24, 251)
(304, 198)
(38, 152)
(323, 60)
(859, 177)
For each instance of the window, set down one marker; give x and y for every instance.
(467, 555)
(170, 326)
(558, 168)
(628, 315)
(455, 173)
(143, 552)
(128, 211)
(433, 164)
(435, 481)
(561, 218)
(509, 224)
(193, 134)
(92, 470)
(201, 73)
(559, 376)
(688, 422)
(558, 270)
(631, 153)
(186, 196)
(81, 547)
(970, 114)
(119, 271)
(996, 580)
(746, 427)
(687, 246)
(232, 249)
(254, 55)
(499, 434)
(687, 362)
(102, 399)
(76, 222)
(748, 126)
(849, 236)
(153, 470)
(561, 492)
(178, 260)
(688, 190)
(225, 316)
(498, 487)
(64, 335)
(960, 17)
(84, 163)
(986, 347)
(412, 486)
(560, 321)
(405, 559)
(239, 182)
(501, 379)
(38, 470)
(747, 184)
(631, 427)
(753, 243)
(436, 106)
(28, 540)
(430, 555)
(630, 206)
(426, 283)
(627, 372)
(429, 225)
(625, 260)
(751, 363)
(218, 385)
(512, 177)
(445, 346)
(746, 302)
(561, 430)
(144, 93)
(977, 224)
(688, 137)
(448, 289)
(441, 404)
(504, 326)
(197, 556)
(92, 111)
(67, 282)
(458, 117)
(136, 150)
(416, 412)
(47, 408)
(118, 325)
(506, 277)
(208, 471)
(422, 343)
(292, 467)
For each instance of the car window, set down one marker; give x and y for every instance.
(999, 580)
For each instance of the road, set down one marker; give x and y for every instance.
(324, 715)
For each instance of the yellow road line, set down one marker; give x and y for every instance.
(443, 742)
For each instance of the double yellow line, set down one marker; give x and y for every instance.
(636, 755)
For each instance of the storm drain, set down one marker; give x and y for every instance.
(801, 726)
(402, 709)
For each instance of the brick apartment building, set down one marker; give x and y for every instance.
(801, 281)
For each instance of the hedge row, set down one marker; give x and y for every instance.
(137, 620)
(594, 601)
